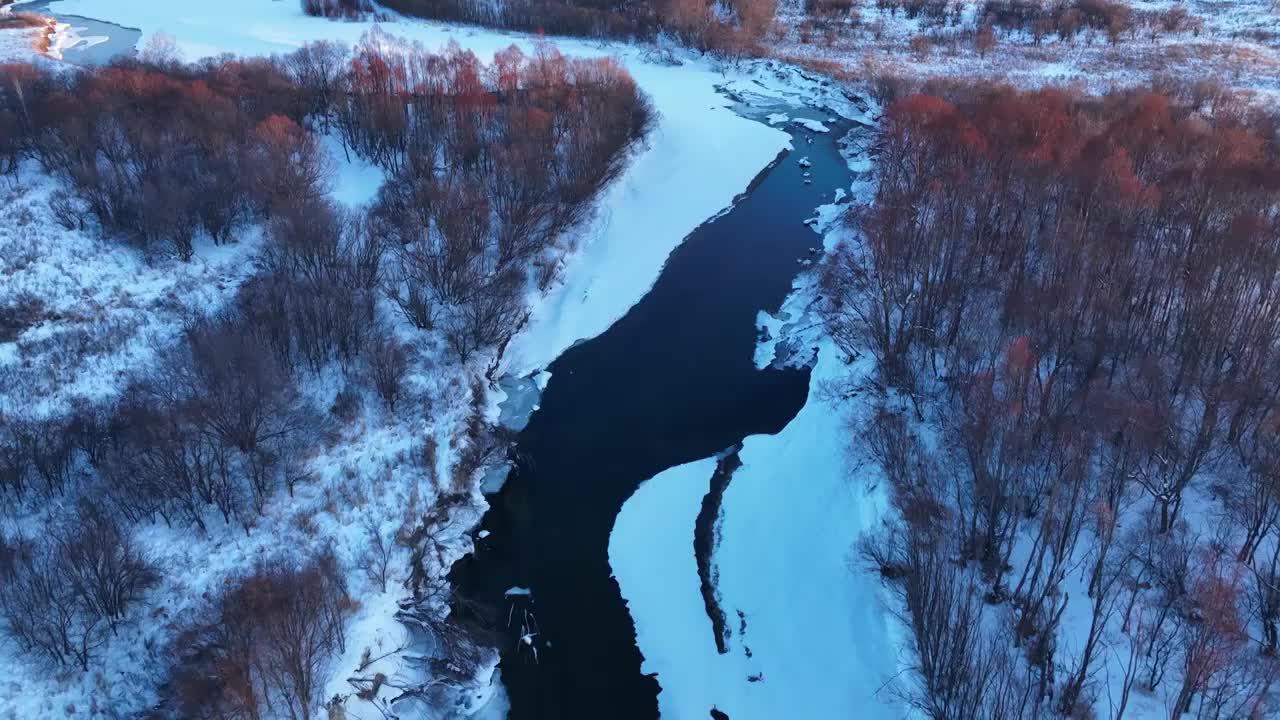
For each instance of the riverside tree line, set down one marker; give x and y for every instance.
(1072, 306)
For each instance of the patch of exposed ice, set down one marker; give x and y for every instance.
(811, 125)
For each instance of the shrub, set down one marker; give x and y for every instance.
(268, 647)
(59, 594)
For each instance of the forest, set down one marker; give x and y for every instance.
(1071, 305)
(731, 28)
(487, 164)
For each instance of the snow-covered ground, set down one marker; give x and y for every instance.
(1235, 43)
(90, 312)
(94, 314)
(357, 180)
(68, 36)
(17, 42)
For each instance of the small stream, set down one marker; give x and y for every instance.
(98, 41)
(671, 382)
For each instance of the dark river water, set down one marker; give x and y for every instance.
(671, 382)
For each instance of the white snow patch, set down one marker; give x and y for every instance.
(811, 125)
(542, 378)
(357, 180)
(68, 37)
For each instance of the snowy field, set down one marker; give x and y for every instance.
(18, 44)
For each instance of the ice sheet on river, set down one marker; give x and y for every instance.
(812, 125)
(809, 635)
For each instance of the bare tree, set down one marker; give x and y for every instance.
(388, 363)
(56, 603)
(376, 558)
(317, 67)
(1211, 636)
(102, 566)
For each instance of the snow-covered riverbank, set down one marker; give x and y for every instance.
(74, 39)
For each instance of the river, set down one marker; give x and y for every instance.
(671, 382)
